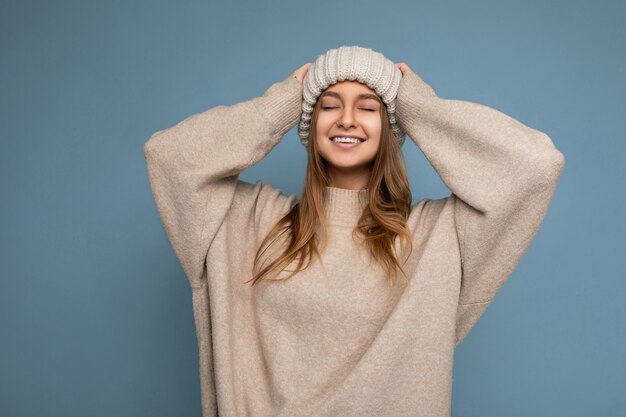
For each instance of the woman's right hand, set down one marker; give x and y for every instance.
(301, 72)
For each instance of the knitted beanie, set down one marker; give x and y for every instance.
(350, 63)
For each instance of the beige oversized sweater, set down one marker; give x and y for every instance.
(341, 341)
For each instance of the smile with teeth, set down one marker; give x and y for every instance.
(340, 139)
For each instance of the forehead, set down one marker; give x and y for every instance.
(350, 89)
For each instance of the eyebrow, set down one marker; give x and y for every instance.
(359, 97)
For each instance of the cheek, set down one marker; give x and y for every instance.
(324, 121)
(374, 126)
(321, 139)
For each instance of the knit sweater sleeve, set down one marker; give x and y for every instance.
(193, 167)
(502, 175)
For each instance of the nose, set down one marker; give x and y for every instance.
(346, 119)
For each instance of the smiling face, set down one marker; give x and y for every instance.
(349, 108)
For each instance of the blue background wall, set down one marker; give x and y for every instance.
(95, 310)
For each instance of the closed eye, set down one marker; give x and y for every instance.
(326, 108)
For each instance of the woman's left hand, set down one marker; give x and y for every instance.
(403, 67)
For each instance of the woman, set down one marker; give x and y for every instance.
(297, 307)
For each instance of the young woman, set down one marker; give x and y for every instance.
(350, 300)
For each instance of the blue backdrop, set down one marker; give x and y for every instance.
(95, 310)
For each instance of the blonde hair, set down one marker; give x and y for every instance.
(383, 218)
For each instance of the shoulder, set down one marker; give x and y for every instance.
(429, 209)
(427, 213)
(261, 202)
(261, 193)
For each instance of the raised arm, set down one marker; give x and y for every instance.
(502, 175)
(193, 166)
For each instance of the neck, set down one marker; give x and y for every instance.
(344, 206)
(352, 180)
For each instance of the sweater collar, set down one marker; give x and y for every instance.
(344, 206)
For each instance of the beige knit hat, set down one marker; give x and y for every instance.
(350, 63)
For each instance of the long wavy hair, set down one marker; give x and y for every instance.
(382, 221)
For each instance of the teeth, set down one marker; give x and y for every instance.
(346, 140)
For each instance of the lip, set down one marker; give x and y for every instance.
(346, 145)
(347, 136)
